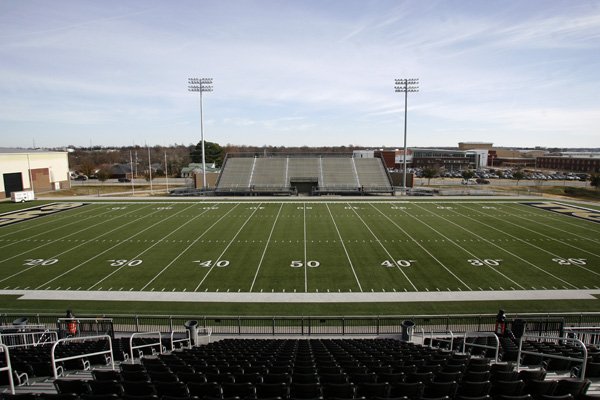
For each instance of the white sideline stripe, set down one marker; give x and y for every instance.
(299, 297)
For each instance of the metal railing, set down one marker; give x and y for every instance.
(582, 360)
(55, 360)
(587, 334)
(441, 337)
(186, 341)
(547, 324)
(7, 367)
(496, 348)
(86, 326)
(142, 346)
(27, 339)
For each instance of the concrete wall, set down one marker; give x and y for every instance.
(40, 171)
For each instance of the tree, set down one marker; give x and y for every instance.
(103, 174)
(595, 180)
(429, 172)
(518, 175)
(213, 151)
(467, 174)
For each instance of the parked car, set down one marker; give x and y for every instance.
(124, 180)
(81, 178)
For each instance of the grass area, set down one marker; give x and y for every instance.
(380, 246)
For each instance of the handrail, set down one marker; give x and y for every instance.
(132, 347)
(582, 360)
(8, 367)
(483, 346)
(587, 334)
(80, 339)
(187, 339)
(441, 338)
(28, 338)
(439, 335)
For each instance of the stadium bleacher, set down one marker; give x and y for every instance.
(380, 368)
(293, 174)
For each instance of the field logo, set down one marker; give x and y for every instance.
(573, 211)
(35, 212)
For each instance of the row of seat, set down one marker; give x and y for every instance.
(411, 390)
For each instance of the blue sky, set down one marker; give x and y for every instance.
(293, 73)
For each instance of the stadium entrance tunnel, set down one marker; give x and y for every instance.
(304, 186)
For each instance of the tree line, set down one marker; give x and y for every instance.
(98, 160)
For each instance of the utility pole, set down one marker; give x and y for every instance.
(201, 85)
(405, 86)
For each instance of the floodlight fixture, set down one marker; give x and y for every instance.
(406, 86)
(201, 85)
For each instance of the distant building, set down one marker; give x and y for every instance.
(40, 171)
(576, 162)
(196, 168)
(475, 146)
(450, 160)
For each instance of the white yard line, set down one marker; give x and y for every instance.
(154, 244)
(500, 247)
(61, 215)
(423, 247)
(64, 237)
(556, 219)
(547, 237)
(110, 248)
(227, 248)
(534, 231)
(262, 257)
(305, 251)
(188, 247)
(279, 297)
(392, 258)
(70, 248)
(344, 246)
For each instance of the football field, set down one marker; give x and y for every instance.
(293, 246)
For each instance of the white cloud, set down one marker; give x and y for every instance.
(324, 69)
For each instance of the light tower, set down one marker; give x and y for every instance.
(405, 86)
(201, 85)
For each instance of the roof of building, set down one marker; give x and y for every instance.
(9, 150)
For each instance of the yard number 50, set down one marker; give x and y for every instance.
(300, 264)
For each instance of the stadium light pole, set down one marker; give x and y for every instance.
(405, 86)
(201, 85)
